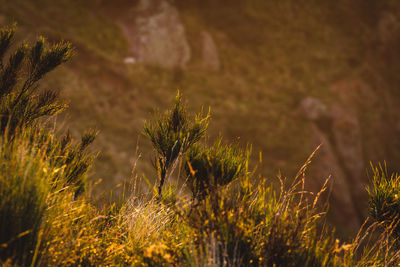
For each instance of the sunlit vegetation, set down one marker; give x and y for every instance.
(219, 214)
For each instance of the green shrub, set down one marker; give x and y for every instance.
(172, 134)
(25, 182)
(71, 156)
(21, 102)
(210, 167)
(232, 220)
(384, 201)
(35, 165)
(247, 224)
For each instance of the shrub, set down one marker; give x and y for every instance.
(247, 224)
(33, 170)
(21, 102)
(210, 167)
(72, 157)
(233, 220)
(384, 199)
(35, 165)
(172, 134)
(24, 187)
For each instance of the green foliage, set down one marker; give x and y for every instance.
(25, 182)
(73, 158)
(242, 223)
(211, 167)
(36, 166)
(248, 225)
(21, 103)
(172, 134)
(384, 202)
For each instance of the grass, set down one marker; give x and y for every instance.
(243, 223)
(24, 192)
(239, 220)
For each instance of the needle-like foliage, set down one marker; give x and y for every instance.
(172, 134)
(35, 165)
(210, 167)
(21, 102)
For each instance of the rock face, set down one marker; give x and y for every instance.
(338, 130)
(388, 27)
(326, 164)
(156, 34)
(209, 52)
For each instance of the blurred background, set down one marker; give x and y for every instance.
(284, 76)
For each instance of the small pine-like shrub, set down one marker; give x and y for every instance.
(208, 168)
(172, 134)
(72, 157)
(35, 165)
(21, 101)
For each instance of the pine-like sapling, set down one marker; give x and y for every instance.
(21, 101)
(172, 134)
(211, 167)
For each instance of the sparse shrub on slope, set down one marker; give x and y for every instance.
(25, 182)
(21, 101)
(247, 224)
(73, 157)
(33, 172)
(35, 164)
(384, 202)
(377, 243)
(208, 168)
(232, 220)
(172, 134)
